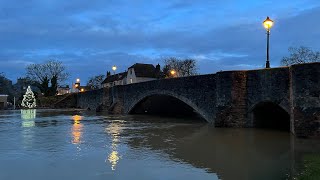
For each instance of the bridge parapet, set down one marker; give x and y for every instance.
(228, 99)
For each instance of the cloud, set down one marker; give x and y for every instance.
(91, 36)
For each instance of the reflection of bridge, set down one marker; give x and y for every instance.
(230, 153)
(286, 98)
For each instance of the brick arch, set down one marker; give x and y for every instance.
(284, 107)
(267, 104)
(185, 100)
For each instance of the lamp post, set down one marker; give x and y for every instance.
(268, 24)
(77, 85)
(114, 68)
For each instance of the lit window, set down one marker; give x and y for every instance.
(130, 80)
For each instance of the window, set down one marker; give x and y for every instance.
(130, 80)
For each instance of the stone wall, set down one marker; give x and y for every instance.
(227, 99)
(305, 99)
(267, 85)
(90, 100)
(196, 91)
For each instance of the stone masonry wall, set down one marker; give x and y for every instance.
(305, 99)
(226, 99)
(196, 91)
(231, 99)
(267, 85)
(90, 99)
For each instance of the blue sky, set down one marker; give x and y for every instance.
(91, 36)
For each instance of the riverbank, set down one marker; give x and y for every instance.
(311, 167)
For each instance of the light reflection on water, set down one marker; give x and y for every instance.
(51, 144)
(76, 129)
(114, 130)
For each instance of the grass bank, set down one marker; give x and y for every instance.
(311, 169)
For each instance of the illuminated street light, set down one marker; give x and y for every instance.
(81, 90)
(114, 68)
(268, 23)
(172, 72)
(78, 80)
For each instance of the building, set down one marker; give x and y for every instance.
(3, 101)
(114, 80)
(135, 74)
(84, 88)
(142, 72)
(61, 90)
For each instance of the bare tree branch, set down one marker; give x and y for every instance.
(300, 55)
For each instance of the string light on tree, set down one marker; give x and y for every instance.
(29, 101)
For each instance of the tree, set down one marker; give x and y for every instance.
(52, 71)
(182, 67)
(300, 55)
(95, 81)
(6, 87)
(29, 101)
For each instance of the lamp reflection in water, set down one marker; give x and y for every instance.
(76, 129)
(114, 129)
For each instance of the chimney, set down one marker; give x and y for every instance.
(108, 73)
(158, 67)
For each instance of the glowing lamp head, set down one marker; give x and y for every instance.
(172, 72)
(268, 23)
(81, 90)
(114, 68)
(76, 85)
(78, 80)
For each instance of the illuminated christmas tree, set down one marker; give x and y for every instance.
(29, 101)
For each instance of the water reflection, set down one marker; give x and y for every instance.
(76, 129)
(231, 153)
(114, 129)
(28, 116)
(141, 147)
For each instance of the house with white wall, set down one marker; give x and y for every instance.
(142, 72)
(114, 80)
(136, 73)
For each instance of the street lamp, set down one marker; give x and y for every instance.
(268, 23)
(77, 85)
(114, 68)
(173, 72)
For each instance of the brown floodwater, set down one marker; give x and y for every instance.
(70, 144)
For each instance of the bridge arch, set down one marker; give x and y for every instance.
(171, 94)
(270, 115)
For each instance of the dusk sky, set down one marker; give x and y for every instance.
(91, 36)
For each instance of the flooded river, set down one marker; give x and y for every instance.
(53, 144)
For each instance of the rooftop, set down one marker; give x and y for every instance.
(144, 70)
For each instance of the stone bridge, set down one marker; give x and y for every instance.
(286, 98)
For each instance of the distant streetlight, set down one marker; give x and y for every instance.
(268, 23)
(114, 68)
(77, 85)
(173, 72)
(81, 90)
